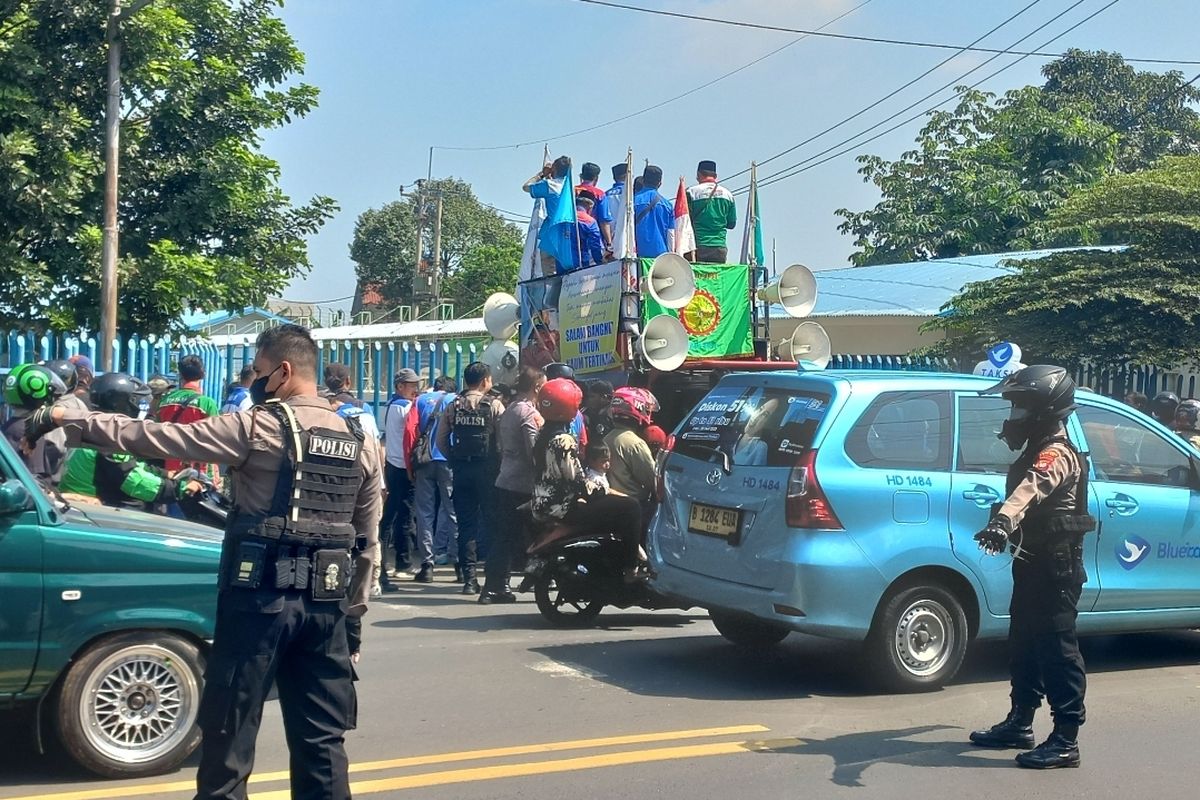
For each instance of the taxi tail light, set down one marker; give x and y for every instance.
(806, 503)
(660, 462)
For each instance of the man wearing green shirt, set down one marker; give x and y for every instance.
(713, 214)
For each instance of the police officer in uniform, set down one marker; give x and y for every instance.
(467, 434)
(304, 487)
(1044, 518)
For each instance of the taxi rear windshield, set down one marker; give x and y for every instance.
(752, 426)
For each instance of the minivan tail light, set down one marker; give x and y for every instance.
(660, 463)
(806, 503)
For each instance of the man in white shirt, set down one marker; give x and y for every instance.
(397, 527)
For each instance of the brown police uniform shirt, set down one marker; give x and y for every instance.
(1056, 464)
(252, 445)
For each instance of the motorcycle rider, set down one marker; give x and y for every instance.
(27, 388)
(119, 479)
(562, 491)
(579, 427)
(632, 470)
(1163, 406)
(1187, 422)
(1045, 515)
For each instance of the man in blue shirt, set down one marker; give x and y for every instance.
(433, 482)
(601, 212)
(653, 216)
(547, 185)
(587, 244)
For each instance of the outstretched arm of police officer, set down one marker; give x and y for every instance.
(1055, 465)
(226, 440)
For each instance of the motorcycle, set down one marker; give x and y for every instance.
(206, 507)
(574, 576)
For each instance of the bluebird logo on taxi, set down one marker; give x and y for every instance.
(1132, 550)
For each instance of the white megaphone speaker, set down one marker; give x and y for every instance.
(795, 289)
(501, 316)
(502, 357)
(670, 281)
(664, 345)
(809, 346)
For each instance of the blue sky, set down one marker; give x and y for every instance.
(400, 76)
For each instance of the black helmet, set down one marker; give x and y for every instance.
(1187, 415)
(559, 370)
(1045, 393)
(119, 393)
(65, 371)
(1163, 406)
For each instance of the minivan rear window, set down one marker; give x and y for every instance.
(753, 426)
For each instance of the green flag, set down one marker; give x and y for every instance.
(718, 317)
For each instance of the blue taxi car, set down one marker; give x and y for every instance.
(843, 504)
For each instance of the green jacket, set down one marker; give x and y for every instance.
(116, 479)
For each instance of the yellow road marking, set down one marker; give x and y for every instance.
(417, 761)
(472, 774)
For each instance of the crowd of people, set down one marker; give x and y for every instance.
(470, 475)
(563, 249)
(1183, 417)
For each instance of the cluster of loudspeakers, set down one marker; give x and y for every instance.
(795, 290)
(663, 345)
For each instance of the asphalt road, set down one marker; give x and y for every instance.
(464, 702)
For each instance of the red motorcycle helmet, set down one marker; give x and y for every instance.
(656, 437)
(635, 404)
(559, 400)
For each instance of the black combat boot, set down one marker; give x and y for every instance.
(1016, 731)
(1060, 750)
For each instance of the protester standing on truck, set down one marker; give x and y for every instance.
(713, 214)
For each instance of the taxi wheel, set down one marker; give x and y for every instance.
(127, 705)
(748, 632)
(918, 640)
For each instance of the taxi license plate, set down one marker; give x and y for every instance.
(714, 521)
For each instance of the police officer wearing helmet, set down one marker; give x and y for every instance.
(1045, 515)
(304, 487)
(118, 479)
(1163, 406)
(1187, 422)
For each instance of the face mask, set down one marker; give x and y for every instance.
(1015, 430)
(258, 389)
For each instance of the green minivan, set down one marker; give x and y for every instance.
(105, 619)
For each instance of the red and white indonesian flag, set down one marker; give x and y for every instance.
(685, 237)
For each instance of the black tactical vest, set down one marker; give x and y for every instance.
(1059, 513)
(472, 434)
(317, 489)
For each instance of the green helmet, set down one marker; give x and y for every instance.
(30, 386)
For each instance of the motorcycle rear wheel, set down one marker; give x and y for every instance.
(561, 608)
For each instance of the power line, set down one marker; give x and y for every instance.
(812, 161)
(892, 93)
(851, 37)
(662, 103)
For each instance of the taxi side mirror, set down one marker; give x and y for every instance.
(14, 498)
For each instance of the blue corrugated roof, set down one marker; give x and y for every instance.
(915, 289)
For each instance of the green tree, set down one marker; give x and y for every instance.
(384, 248)
(484, 270)
(984, 175)
(1139, 305)
(204, 223)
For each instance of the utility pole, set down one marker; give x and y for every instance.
(437, 251)
(112, 158)
(420, 206)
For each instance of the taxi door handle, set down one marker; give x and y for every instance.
(1122, 504)
(982, 495)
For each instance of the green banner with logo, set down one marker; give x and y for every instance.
(718, 319)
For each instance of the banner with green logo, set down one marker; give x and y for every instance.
(718, 319)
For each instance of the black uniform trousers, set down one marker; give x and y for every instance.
(1044, 657)
(508, 538)
(288, 638)
(398, 527)
(472, 500)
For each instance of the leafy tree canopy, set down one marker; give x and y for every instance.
(384, 248)
(204, 223)
(983, 176)
(1140, 305)
(484, 270)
